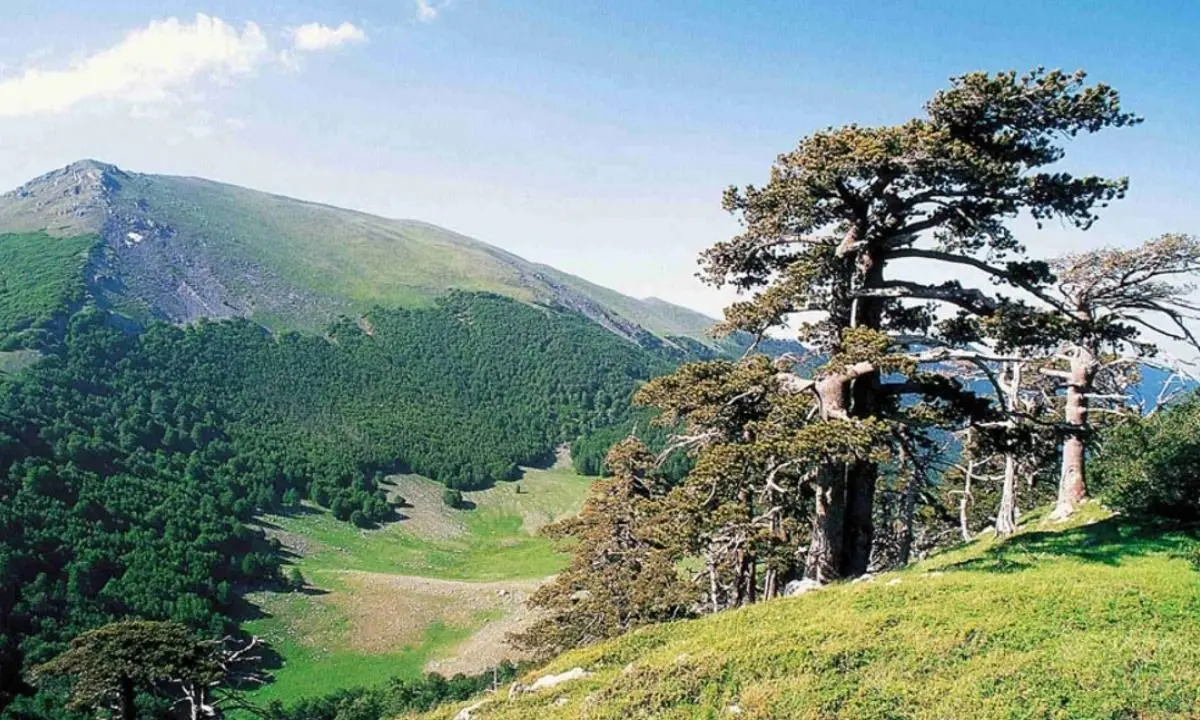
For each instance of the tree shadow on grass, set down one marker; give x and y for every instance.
(1107, 542)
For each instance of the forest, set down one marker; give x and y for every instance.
(130, 462)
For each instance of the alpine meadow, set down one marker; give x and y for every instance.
(264, 458)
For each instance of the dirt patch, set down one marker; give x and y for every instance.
(294, 543)
(387, 612)
(425, 513)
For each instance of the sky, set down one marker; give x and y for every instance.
(596, 137)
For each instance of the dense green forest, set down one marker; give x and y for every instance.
(130, 462)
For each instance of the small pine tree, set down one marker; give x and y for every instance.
(296, 579)
(622, 572)
(453, 498)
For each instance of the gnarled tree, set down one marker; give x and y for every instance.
(1108, 300)
(110, 666)
(826, 236)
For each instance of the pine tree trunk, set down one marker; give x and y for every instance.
(964, 504)
(1072, 485)
(1006, 516)
(860, 485)
(907, 512)
(126, 697)
(859, 531)
(824, 562)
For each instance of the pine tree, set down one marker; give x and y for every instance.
(823, 239)
(622, 572)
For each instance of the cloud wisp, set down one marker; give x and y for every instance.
(313, 37)
(165, 61)
(429, 10)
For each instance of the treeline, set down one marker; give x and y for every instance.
(397, 696)
(130, 463)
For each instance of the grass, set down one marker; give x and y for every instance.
(321, 662)
(493, 541)
(1100, 620)
(40, 278)
(380, 604)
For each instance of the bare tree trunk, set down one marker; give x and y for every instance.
(713, 586)
(907, 511)
(1072, 485)
(770, 581)
(826, 561)
(1006, 516)
(964, 504)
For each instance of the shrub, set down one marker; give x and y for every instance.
(1152, 466)
(453, 498)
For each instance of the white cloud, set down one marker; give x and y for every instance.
(168, 61)
(428, 10)
(315, 36)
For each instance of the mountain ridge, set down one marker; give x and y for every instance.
(181, 248)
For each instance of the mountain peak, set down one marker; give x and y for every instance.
(73, 200)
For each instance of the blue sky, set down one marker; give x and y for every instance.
(593, 136)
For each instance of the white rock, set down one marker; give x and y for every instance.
(469, 712)
(550, 681)
(800, 587)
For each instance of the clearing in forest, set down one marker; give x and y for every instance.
(438, 590)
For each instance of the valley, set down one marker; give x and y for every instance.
(264, 457)
(436, 591)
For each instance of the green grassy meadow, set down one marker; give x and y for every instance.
(385, 602)
(1098, 620)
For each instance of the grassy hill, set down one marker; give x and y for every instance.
(437, 590)
(1101, 620)
(180, 248)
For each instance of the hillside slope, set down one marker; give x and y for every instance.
(178, 249)
(1098, 621)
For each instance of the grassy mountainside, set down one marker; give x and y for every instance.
(179, 249)
(1100, 620)
(41, 277)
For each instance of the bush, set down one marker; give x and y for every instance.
(1151, 467)
(453, 498)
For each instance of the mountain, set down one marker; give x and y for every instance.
(182, 248)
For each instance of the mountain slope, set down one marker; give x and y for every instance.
(178, 249)
(1097, 621)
